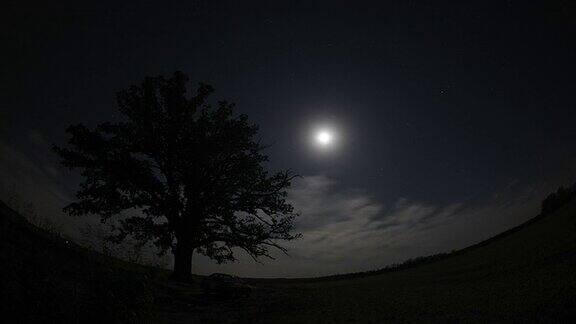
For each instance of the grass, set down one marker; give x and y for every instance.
(526, 274)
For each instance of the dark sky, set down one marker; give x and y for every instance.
(437, 103)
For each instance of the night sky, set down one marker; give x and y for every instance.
(453, 119)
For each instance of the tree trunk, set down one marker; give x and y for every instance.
(182, 263)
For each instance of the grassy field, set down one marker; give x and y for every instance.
(527, 275)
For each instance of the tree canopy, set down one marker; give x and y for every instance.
(195, 174)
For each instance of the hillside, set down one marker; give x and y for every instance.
(526, 274)
(46, 278)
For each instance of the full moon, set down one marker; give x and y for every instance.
(324, 138)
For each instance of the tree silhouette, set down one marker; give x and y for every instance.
(194, 172)
(558, 199)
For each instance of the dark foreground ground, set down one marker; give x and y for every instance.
(525, 275)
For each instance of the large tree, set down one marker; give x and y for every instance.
(193, 173)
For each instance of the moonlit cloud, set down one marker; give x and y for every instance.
(348, 230)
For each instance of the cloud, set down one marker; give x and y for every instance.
(320, 204)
